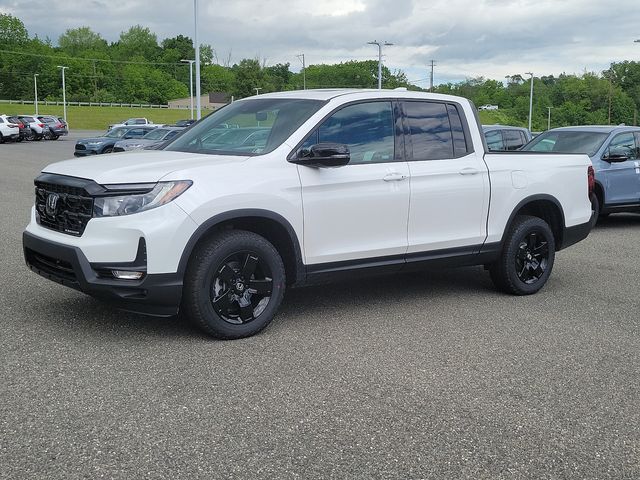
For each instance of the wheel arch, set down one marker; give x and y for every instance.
(599, 191)
(270, 225)
(543, 206)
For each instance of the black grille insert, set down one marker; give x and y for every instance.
(52, 266)
(63, 208)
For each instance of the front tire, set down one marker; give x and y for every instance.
(234, 284)
(107, 150)
(527, 257)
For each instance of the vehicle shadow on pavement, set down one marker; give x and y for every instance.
(87, 316)
(618, 220)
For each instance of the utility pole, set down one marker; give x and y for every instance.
(64, 93)
(190, 83)
(375, 42)
(304, 72)
(433, 64)
(197, 45)
(610, 95)
(35, 88)
(530, 99)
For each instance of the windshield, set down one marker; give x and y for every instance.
(117, 132)
(156, 134)
(567, 141)
(246, 127)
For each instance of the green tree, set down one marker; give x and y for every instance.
(12, 30)
(138, 41)
(77, 40)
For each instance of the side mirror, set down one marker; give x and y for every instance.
(616, 155)
(324, 155)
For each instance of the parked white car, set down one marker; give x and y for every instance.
(343, 183)
(8, 129)
(488, 107)
(38, 127)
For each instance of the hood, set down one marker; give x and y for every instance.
(138, 166)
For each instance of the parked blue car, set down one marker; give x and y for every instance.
(615, 154)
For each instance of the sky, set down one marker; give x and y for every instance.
(489, 38)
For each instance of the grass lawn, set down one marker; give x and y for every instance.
(99, 118)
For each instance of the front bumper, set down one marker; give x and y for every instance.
(155, 294)
(85, 153)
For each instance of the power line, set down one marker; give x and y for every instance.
(60, 58)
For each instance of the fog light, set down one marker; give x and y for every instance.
(127, 275)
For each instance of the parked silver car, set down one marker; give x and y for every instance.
(154, 137)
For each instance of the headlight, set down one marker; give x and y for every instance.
(133, 145)
(156, 196)
(93, 143)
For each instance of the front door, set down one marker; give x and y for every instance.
(622, 177)
(358, 211)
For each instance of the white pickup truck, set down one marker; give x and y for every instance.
(132, 121)
(315, 185)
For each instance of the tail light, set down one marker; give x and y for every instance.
(591, 179)
(41, 125)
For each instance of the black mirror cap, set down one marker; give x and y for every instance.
(615, 157)
(324, 155)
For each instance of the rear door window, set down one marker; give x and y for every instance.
(513, 139)
(430, 130)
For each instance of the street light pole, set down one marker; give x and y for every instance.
(35, 89)
(530, 99)
(375, 42)
(304, 72)
(257, 89)
(190, 83)
(549, 118)
(64, 93)
(197, 44)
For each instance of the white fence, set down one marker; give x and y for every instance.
(87, 104)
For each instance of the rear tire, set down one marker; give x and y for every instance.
(595, 209)
(527, 257)
(234, 284)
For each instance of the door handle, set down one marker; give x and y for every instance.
(468, 171)
(393, 177)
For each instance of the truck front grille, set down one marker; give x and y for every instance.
(63, 208)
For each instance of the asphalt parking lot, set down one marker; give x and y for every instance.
(432, 375)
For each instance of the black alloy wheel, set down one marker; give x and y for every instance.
(107, 150)
(241, 287)
(527, 257)
(234, 284)
(532, 258)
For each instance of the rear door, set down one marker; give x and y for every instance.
(449, 180)
(358, 211)
(622, 177)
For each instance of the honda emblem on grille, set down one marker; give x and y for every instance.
(51, 206)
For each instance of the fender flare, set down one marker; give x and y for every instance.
(530, 199)
(206, 226)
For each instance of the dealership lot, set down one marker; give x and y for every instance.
(413, 376)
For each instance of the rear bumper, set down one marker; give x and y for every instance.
(155, 294)
(575, 234)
